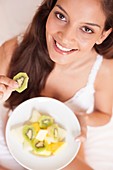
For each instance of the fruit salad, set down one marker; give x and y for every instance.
(41, 135)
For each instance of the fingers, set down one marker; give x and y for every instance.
(1, 95)
(82, 117)
(80, 138)
(8, 82)
(83, 135)
(7, 85)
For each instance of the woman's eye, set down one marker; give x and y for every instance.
(60, 16)
(87, 30)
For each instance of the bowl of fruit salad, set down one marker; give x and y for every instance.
(40, 134)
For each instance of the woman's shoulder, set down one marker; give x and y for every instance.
(107, 66)
(105, 73)
(8, 46)
(6, 51)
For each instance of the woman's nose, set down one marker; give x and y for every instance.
(67, 35)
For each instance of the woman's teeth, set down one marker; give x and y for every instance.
(63, 48)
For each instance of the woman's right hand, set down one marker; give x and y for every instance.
(82, 117)
(7, 85)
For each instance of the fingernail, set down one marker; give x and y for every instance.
(77, 140)
(15, 84)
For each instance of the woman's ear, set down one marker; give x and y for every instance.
(103, 36)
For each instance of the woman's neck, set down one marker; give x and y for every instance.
(78, 63)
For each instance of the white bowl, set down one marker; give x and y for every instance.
(61, 114)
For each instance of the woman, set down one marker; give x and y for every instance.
(68, 43)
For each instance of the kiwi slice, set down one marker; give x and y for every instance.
(45, 121)
(29, 132)
(39, 146)
(22, 80)
(55, 134)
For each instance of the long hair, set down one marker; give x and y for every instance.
(32, 57)
(106, 48)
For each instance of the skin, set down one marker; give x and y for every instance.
(72, 30)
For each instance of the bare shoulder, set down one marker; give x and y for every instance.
(104, 87)
(6, 51)
(8, 47)
(107, 66)
(105, 74)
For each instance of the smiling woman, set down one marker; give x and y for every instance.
(67, 53)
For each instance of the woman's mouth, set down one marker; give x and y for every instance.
(62, 50)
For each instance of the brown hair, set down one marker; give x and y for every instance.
(106, 48)
(32, 57)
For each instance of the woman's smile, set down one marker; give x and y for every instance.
(61, 49)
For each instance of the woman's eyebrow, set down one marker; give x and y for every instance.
(61, 9)
(93, 24)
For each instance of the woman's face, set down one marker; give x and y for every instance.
(72, 29)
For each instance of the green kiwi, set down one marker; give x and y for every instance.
(45, 121)
(55, 133)
(22, 80)
(39, 146)
(29, 132)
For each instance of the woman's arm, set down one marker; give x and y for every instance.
(6, 84)
(79, 162)
(2, 168)
(6, 51)
(98, 119)
(103, 96)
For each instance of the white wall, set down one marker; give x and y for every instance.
(15, 15)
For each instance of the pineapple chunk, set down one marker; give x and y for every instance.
(55, 147)
(41, 134)
(42, 153)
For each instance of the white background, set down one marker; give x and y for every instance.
(15, 15)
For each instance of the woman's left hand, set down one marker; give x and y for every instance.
(82, 117)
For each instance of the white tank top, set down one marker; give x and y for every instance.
(83, 100)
